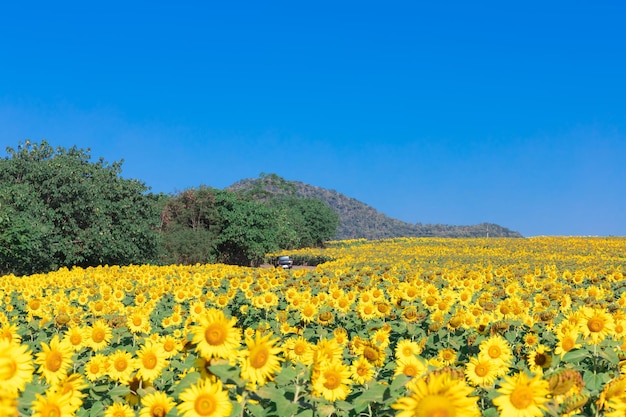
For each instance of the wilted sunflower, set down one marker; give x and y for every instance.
(522, 396)
(216, 336)
(331, 380)
(16, 368)
(156, 404)
(205, 399)
(438, 394)
(260, 361)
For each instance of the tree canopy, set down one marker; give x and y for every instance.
(58, 208)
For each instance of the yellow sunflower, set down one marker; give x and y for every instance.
(205, 399)
(496, 348)
(99, 334)
(54, 360)
(331, 380)
(539, 359)
(596, 325)
(77, 336)
(438, 394)
(260, 360)
(566, 341)
(156, 404)
(72, 384)
(52, 404)
(522, 396)
(216, 336)
(406, 348)
(361, 370)
(122, 366)
(119, 410)
(411, 366)
(96, 367)
(16, 368)
(151, 360)
(298, 349)
(483, 371)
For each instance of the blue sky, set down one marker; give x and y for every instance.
(433, 112)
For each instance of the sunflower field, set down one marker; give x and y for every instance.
(406, 327)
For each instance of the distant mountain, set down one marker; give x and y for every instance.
(358, 220)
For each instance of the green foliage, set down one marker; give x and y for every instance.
(57, 208)
(358, 220)
(211, 225)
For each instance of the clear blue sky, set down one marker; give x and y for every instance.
(433, 112)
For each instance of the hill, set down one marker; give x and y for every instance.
(359, 220)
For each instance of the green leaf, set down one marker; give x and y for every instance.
(189, 379)
(490, 412)
(286, 376)
(256, 410)
(226, 372)
(97, 409)
(576, 355)
(610, 355)
(594, 381)
(372, 394)
(119, 391)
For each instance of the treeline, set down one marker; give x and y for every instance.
(357, 220)
(60, 209)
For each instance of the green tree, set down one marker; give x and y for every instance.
(247, 230)
(60, 209)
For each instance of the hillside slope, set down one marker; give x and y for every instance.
(359, 220)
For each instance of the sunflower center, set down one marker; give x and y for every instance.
(97, 335)
(409, 370)
(494, 352)
(259, 357)
(76, 339)
(568, 344)
(370, 354)
(215, 334)
(149, 360)
(435, 406)
(331, 380)
(595, 325)
(158, 411)
(521, 397)
(54, 361)
(481, 369)
(120, 364)
(8, 368)
(137, 321)
(541, 359)
(299, 349)
(205, 405)
(51, 410)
